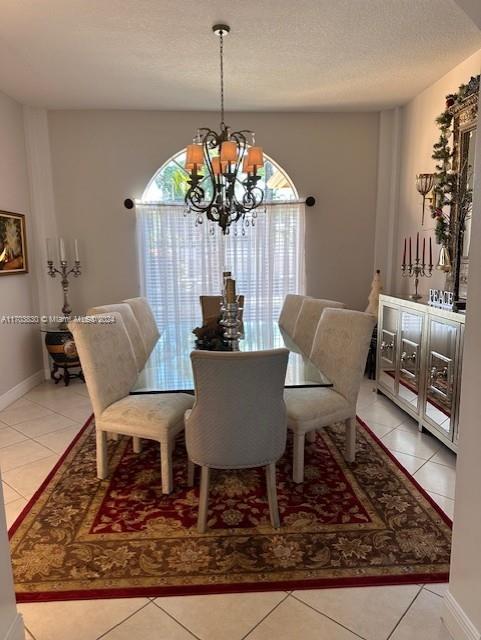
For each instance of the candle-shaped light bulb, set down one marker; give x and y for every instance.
(430, 253)
(404, 254)
(424, 251)
(410, 254)
(417, 247)
(61, 250)
(77, 258)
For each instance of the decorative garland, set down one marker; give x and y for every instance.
(445, 180)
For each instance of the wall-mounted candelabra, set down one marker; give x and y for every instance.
(64, 271)
(424, 185)
(417, 268)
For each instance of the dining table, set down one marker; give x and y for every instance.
(168, 368)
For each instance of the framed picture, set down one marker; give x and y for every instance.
(13, 244)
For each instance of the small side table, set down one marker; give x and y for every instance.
(61, 348)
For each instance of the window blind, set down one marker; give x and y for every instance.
(179, 262)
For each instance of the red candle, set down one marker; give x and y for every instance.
(424, 251)
(410, 257)
(404, 253)
(417, 247)
(430, 253)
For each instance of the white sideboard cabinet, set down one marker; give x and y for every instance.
(419, 363)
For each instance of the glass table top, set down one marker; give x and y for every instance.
(169, 367)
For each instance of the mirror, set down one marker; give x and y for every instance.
(464, 113)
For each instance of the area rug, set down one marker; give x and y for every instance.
(366, 523)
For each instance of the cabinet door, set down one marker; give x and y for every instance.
(410, 358)
(442, 361)
(458, 384)
(387, 347)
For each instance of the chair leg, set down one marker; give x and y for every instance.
(136, 444)
(203, 499)
(298, 458)
(102, 467)
(190, 473)
(351, 439)
(166, 467)
(272, 494)
(311, 436)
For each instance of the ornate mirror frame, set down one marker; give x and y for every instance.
(465, 114)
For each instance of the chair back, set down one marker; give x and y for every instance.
(340, 349)
(107, 358)
(210, 306)
(308, 319)
(239, 416)
(290, 311)
(146, 319)
(132, 326)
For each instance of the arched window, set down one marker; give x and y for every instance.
(180, 261)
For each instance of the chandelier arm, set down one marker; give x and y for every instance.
(209, 139)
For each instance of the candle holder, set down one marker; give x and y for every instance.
(416, 270)
(64, 272)
(230, 321)
(424, 184)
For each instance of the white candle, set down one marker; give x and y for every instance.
(61, 250)
(77, 259)
(50, 249)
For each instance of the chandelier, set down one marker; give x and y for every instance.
(223, 168)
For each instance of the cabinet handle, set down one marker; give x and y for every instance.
(412, 357)
(439, 373)
(387, 347)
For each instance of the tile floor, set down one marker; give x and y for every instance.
(37, 428)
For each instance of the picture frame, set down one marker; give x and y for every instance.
(13, 244)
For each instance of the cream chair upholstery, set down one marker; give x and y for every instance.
(132, 326)
(339, 351)
(289, 312)
(239, 417)
(110, 370)
(308, 319)
(210, 306)
(146, 319)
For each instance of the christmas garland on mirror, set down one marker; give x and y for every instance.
(445, 179)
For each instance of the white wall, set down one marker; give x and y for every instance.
(11, 623)
(101, 157)
(418, 134)
(20, 349)
(463, 601)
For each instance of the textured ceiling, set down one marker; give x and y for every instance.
(281, 55)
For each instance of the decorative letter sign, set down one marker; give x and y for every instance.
(441, 299)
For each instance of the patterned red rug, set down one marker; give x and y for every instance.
(367, 523)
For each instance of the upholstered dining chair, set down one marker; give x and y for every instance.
(146, 319)
(110, 370)
(238, 420)
(132, 326)
(308, 319)
(289, 312)
(339, 351)
(210, 306)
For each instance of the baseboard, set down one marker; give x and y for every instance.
(456, 621)
(17, 630)
(21, 388)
